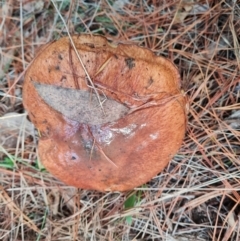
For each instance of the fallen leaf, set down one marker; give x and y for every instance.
(80, 105)
(13, 126)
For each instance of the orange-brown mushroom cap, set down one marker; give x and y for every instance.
(110, 155)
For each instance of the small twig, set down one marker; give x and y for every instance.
(91, 153)
(22, 37)
(78, 56)
(100, 149)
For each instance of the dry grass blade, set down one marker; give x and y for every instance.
(79, 58)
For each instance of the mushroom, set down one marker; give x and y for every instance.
(114, 131)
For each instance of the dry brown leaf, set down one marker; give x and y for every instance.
(53, 201)
(13, 126)
(81, 105)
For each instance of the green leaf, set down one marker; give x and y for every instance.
(7, 163)
(129, 220)
(130, 202)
